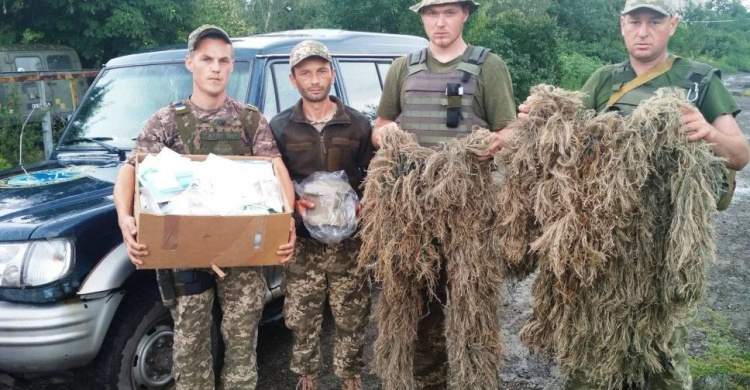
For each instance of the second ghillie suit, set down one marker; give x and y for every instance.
(618, 214)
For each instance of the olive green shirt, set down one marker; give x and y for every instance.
(493, 100)
(717, 101)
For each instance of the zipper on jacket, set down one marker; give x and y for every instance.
(323, 149)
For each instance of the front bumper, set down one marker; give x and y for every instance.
(38, 338)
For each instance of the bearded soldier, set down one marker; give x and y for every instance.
(321, 134)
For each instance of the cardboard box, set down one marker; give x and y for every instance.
(187, 241)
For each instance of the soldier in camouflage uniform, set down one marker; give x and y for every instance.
(647, 26)
(209, 121)
(321, 134)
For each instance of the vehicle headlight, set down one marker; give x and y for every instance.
(34, 263)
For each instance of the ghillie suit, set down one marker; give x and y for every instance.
(618, 214)
(424, 209)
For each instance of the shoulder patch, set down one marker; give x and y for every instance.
(179, 108)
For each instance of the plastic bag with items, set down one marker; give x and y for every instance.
(334, 216)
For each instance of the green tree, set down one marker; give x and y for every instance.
(525, 41)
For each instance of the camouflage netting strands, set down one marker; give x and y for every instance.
(618, 214)
(423, 209)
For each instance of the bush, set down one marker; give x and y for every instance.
(526, 43)
(11, 123)
(575, 69)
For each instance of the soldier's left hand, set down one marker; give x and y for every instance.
(286, 251)
(696, 127)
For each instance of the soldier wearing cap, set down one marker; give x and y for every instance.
(321, 134)
(646, 27)
(208, 121)
(440, 93)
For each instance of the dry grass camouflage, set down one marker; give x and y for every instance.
(618, 214)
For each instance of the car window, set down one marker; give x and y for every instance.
(279, 92)
(122, 99)
(28, 64)
(363, 81)
(59, 62)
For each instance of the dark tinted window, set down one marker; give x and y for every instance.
(59, 62)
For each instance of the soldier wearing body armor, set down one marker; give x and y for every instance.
(208, 121)
(321, 134)
(439, 93)
(646, 27)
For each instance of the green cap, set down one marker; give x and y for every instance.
(473, 5)
(661, 6)
(203, 31)
(307, 49)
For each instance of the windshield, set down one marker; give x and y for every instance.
(124, 98)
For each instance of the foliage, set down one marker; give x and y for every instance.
(575, 69)
(724, 354)
(11, 123)
(716, 31)
(526, 42)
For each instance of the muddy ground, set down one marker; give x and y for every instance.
(728, 297)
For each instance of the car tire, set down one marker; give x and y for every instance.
(137, 351)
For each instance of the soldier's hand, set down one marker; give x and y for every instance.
(286, 251)
(497, 140)
(135, 250)
(695, 126)
(301, 207)
(523, 111)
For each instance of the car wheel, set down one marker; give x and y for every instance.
(137, 352)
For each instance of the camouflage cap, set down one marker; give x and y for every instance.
(661, 6)
(204, 30)
(307, 49)
(473, 5)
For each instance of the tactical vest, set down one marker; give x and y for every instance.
(204, 137)
(695, 82)
(439, 106)
(216, 135)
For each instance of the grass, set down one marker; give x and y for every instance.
(724, 355)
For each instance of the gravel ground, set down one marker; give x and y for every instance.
(728, 296)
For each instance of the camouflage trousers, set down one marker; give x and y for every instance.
(241, 295)
(317, 270)
(431, 355)
(676, 374)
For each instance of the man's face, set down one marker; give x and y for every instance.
(647, 33)
(313, 78)
(211, 64)
(444, 23)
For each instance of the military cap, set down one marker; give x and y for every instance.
(307, 49)
(473, 5)
(203, 31)
(661, 6)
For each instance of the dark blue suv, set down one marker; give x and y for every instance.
(69, 296)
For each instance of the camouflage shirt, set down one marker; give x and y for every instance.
(160, 130)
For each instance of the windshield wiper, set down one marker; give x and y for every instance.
(98, 140)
